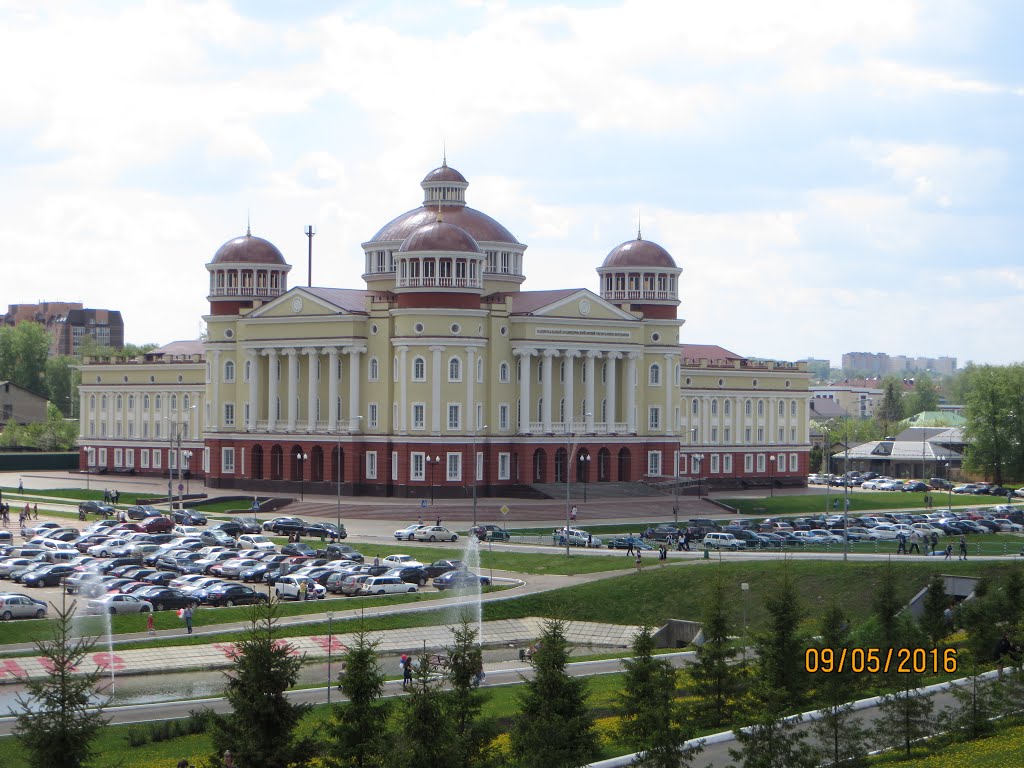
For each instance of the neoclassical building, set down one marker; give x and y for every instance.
(440, 374)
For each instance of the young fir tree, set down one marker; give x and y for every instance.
(59, 716)
(650, 719)
(425, 730)
(473, 733)
(554, 728)
(933, 617)
(260, 729)
(716, 679)
(358, 726)
(977, 703)
(772, 740)
(780, 647)
(887, 608)
(841, 736)
(1013, 599)
(905, 716)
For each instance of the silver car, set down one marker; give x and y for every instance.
(21, 607)
(119, 603)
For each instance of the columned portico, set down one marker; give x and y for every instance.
(332, 389)
(403, 390)
(252, 360)
(354, 423)
(435, 389)
(589, 375)
(525, 380)
(570, 387)
(611, 388)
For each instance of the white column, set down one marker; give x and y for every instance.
(612, 387)
(193, 423)
(254, 390)
(312, 355)
(570, 356)
(293, 387)
(403, 391)
(470, 419)
(591, 406)
(435, 389)
(666, 380)
(630, 387)
(272, 389)
(138, 415)
(332, 389)
(215, 392)
(548, 363)
(525, 379)
(354, 403)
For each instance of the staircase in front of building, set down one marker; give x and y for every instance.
(605, 490)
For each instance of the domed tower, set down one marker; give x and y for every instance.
(444, 192)
(244, 271)
(439, 265)
(641, 276)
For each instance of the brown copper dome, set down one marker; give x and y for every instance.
(444, 173)
(639, 253)
(248, 249)
(440, 236)
(481, 226)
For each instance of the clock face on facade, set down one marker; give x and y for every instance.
(584, 307)
(297, 304)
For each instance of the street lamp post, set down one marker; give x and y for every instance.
(476, 431)
(330, 643)
(771, 463)
(432, 462)
(949, 491)
(568, 474)
(585, 471)
(187, 456)
(301, 458)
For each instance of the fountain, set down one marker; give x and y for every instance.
(469, 603)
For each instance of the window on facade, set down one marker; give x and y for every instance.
(229, 371)
(174, 402)
(117, 429)
(156, 459)
(760, 462)
(782, 434)
(394, 465)
(792, 434)
(654, 417)
(229, 414)
(372, 414)
(504, 466)
(227, 460)
(503, 416)
(748, 462)
(715, 463)
(416, 465)
(747, 435)
(479, 370)
(714, 434)
(793, 462)
(454, 416)
(503, 373)
(727, 463)
(792, 408)
(654, 463)
(782, 408)
(714, 407)
(695, 406)
(727, 408)
(131, 402)
(371, 465)
(760, 407)
(654, 375)
(454, 369)
(156, 402)
(454, 466)
(748, 407)
(604, 373)
(119, 402)
(419, 369)
(760, 434)
(727, 434)
(373, 369)
(248, 370)
(418, 416)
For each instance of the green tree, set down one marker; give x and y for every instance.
(924, 396)
(887, 607)
(978, 702)
(772, 740)
(425, 731)
(905, 716)
(842, 737)
(261, 727)
(982, 617)
(650, 719)
(58, 716)
(61, 388)
(995, 421)
(780, 646)
(1013, 598)
(933, 616)
(554, 728)
(24, 349)
(358, 726)
(716, 679)
(473, 733)
(890, 411)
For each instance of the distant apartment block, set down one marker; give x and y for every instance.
(881, 364)
(68, 323)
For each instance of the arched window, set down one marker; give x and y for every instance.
(747, 407)
(561, 370)
(792, 408)
(654, 376)
(714, 407)
(455, 369)
(156, 402)
(174, 402)
(419, 369)
(92, 402)
(120, 402)
(561, 409)
(373, 369)
(229, 371)
(760, 407)
(131, 402)
(479, 370)
(727, 408)
(695, 406)
(782, 408)
(394, 368)
(503, 373)
(145, 402)
(184, 402)
(248, 370)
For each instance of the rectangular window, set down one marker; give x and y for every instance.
(394, 465)
(760, 434)
(782, 434)
(454, 416)
(371, 465)
(503, 416)
(748, 462)
(227, 460)
(714, 434)
(654, 417)
(144, 458)
(418, 416)
(129, 457)
(760, 462)
(479, 466)
(454, 466)
(714, 463)
(118, 457)
(102, 460)
(654, 463)
(727, 434)
(504, 466)
(727, 463)
(793, 462)
(792, 434)
(156, 458)
(229, 414)
(372, 413)
(416, 465)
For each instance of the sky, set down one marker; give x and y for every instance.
(830, 176)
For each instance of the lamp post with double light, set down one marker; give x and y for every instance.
(949, 491)
(584, 460)
(432, 462)
(300, 459)
(187, 456)
(568, 473)
(771, 470)
(176, 429)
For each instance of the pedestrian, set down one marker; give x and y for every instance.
(28, 511)
(935, 542)
(117, 497)
(901, 543)
(663, 553)
(149, 623)
(186, 614)
(303, 590)
(639, 561)
(590, 539)
(629, 545)
(21, 486)
(376, 560)
(913, 544)
(963, 548)
(949, 551)
(35, 511)
(686, 541)
(438, 523)
(406, 666)
(572, 513)
(847, 502)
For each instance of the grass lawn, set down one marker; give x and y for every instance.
(998, 751)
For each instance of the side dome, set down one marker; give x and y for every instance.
(440, 236)
(639, 253)
(248, 249)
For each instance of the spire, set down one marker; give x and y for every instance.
(639, 234)
(248, 227)
(444, 153)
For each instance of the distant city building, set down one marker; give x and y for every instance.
(20, 405)
(856, 398)
(881, 364)
(817, 367)
(68, 323)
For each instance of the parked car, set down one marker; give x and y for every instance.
(234, 594)
(283, 526)
(218, 538)
(460, 580)
(916, 486)
(349, 584)
(438, 567)
(398, 561)
(189, 517)
(323, 530)
(340, 552)
(298, 548)
(118, 603)
(433, 533)
(166, 599)
(385, 585)
(256, 541)
(231, 569)
(14, 606)
(290, 587)
(716, 540)
(406, 534)
(48, 576)
(411, 575)
(623, 542)
(97, 508)
(142, 512)
(966, 488)
(490, 532)
(576, 538)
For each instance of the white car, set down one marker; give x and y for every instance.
(385, 585)
(406, 534)
(118, 603)
(1008, 525)
(886, 531)
(232, 568)
(256, 541)
(433, 533)
(826, 537)
(401, 561)
(104, 549)
(290, 587)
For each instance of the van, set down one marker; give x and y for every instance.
(722, 541)
(577, 538)
(385, 585)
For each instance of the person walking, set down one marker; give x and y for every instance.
(149, 623)
(406, 663)
(963, 548)
(949, 551)
(572, 513)
(639, 561)
(21, 486)
(629, 545)
(935, 542)
(35, 511)
(901, 543)
(913, 543)
(186, 614)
